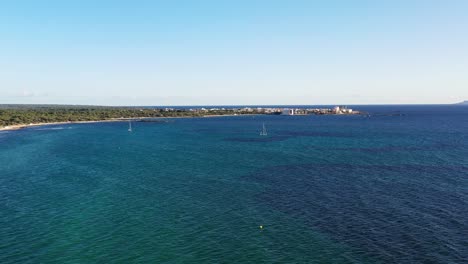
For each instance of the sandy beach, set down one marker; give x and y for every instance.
(21, 126)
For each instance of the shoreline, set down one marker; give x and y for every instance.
(22, 126)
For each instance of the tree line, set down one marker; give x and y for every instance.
(18, 115)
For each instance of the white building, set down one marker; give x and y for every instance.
(287, 111)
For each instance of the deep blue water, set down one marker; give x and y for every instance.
(327, 189)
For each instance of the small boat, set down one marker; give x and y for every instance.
(264, 131)
(130, 126)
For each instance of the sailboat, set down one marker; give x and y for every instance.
(129, 126)
(264, 131)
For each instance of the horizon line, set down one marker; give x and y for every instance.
(228, 105)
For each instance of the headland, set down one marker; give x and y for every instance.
(13, 117)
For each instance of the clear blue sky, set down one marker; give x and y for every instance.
(233, 52)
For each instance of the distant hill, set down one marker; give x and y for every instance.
(463, 103)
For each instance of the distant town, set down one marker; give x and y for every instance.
(337, 110)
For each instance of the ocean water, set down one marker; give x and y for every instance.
(392, 188)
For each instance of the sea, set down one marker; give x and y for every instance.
(391, 187)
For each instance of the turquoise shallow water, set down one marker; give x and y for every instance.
(327, 189)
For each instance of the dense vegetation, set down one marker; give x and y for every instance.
(17, 115)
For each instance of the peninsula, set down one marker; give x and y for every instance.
(20, 116)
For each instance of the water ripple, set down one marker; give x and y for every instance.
(394, 213)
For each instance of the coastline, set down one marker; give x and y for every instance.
(22, 126)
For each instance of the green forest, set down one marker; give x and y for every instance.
(24, 114)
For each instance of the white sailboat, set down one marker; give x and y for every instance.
(264, 131)
(130, 126)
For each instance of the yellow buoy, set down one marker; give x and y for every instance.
(261, 227)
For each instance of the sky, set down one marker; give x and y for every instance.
(243, 52)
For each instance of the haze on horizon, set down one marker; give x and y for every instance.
(233, 52)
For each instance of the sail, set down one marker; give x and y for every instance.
(264, 131)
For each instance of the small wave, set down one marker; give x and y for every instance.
(263, 139)
(53, 128)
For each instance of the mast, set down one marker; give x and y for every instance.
(264, 132)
